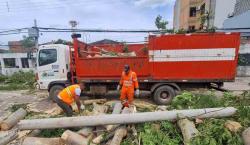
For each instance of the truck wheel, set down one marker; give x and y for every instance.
(164, 95)
(54, 90)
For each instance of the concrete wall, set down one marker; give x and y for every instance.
(240, 21)
(222, 9)
(177, 9)
(17, 56)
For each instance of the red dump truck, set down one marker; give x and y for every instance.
(164, 65)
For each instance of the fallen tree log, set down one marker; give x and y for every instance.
(188, 130)
(103, 137)
(117, 110)
(34, 133)
(121, 132)
(73, 138)
(98, 101)
(82, 121)
(86, 131)
(8, 136)
(13, 119)
(42, 141)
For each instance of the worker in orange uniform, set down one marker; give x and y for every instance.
(129, 83)
(68, 96)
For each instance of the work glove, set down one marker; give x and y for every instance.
(118, 87)
(137, 92)
(82, 107)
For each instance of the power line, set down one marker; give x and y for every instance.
(11, 30)
(51, 6)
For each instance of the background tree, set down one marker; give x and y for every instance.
(160, 23)
(60, 41)
(28, 42)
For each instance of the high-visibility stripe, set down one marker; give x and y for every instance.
(69, 93)
(212, 54)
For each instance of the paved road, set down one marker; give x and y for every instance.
(240, 84)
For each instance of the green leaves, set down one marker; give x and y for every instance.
(213, 132)
(167, 134)
(160, 23)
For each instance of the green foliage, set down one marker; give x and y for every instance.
(125, 48)
(167, 135)
(15, 107)
(28, 42)
(213, 132)
(160, 23)
(60, 41)
(188, 100)
(51, 132)
(242, 61)
(243, 115)
(19, 80)
(181, 31)
(3, 78)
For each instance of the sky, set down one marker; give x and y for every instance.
(96, 14)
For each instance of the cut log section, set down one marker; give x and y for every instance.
(34, 133)
(82, 121)
(13, 119)
(188, 130)
(8, 136)
(246, 136)
(86, 131)
(42, 141)
(72, 138)
(117, 110)
(98, 101)
(120, 133)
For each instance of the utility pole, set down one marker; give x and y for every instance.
(37, 34)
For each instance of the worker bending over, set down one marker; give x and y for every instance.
(68, 96)
(129, 83)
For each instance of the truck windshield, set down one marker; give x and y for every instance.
(47, 56)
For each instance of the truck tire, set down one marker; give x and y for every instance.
(54, 90)
(164, 95)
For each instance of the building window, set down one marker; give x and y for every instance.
(192, 12)
(191, 28)
(9, 62)
(47, 56)
(25, 62)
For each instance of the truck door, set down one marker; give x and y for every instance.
(48, 66)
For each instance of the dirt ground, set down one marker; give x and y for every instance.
(8, 98)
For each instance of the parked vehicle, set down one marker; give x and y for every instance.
(164, 65)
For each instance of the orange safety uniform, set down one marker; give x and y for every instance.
(129, 83)
(68, 94)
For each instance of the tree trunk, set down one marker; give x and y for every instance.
(120, 133)
(8, 136)
(246, 136)
(81, 121)
(117, 110)
(13, 119)
(99, 109)
(34, 133)
(188, 130)
(72, 138)
(98, 101)
(42, 141)
(86, 131)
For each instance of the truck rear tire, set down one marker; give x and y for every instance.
(54, 90)
(164, 95)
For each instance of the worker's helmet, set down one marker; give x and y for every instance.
(126, 68)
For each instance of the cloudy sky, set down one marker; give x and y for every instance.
(104, 14)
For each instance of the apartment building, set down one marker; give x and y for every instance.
(201, 14)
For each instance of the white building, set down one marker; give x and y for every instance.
(220, 10)
(14, 62)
